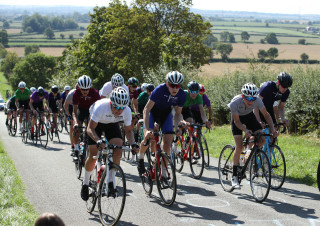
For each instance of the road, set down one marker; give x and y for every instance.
(51, 186)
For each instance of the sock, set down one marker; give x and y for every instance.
(86, 177)
(20, 125)
(141, 156)
(111, 175)
(235, 169)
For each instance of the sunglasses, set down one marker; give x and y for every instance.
(84, 89)
(118, 108)
(193, 92)
(250, 98)
(174, 86)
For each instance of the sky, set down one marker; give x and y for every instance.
(270, 6)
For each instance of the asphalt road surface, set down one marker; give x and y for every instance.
(52, 186)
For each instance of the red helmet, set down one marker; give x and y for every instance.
(202, 89)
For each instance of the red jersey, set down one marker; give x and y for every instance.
(84, 102)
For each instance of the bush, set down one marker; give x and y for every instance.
(301, 41)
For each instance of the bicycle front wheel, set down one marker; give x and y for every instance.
(60, 123)
(278, 167)
(179, 157)
(196, 159)
(111, 195)
(166, 179)
(146, 178)
(260, 176)
(206, 154)
(225, 167)
(42, 134)
(93, 187)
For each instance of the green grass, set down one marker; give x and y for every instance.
(4, 85)
(302, 153)
(15, 209)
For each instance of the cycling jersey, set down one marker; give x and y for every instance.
(63, 96)
(12, 104)
(84, 102)
(237, 105)
(189, 101)
(53, 99)
(37, 99)
(134, 94)
(206, 102)
(142, 101)
(70, 96)
(107, 89)
(23, 96)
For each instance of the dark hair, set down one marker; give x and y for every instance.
(49, 219)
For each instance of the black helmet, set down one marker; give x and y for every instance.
(133, 81)
(54, 89)
(193, 86)
(150, 87)
(40, 91)
(285, 79)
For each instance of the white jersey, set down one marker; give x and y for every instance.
(107, 89)
(70, 95)
(100, 112)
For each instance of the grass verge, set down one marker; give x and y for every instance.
(302, 153)
(15, 209)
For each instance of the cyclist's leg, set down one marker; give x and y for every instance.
(167, 126)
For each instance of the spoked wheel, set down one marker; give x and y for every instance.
(93, 187)
(146, 178)
(111, 195)
(33, 136)
(42, 134)
(25, 132)
(66, 124)
(79, 163)
(56, 133)
(206, 154)
(278, 167)
(9, 126)
(196, 160)
(260, 176)
(50, 130)
(166, 179)
(179, 157)
(225, 168)
(60, 123)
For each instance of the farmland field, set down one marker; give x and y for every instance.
(56, 52)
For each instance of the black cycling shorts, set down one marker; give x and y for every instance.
(249, 120)
(197, 116)
(24, 104)
(83, 114)
(38, 106)
(186, 113)
(54, 108)
(110, 130)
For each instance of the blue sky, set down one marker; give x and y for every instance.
(270, 6)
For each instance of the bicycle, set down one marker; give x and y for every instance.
(110, 191)
(52, 128)
(276, 159)
(12, 123)
(83, 146)
(259, 169)
(190, 149)
(42, 134)
(160, 169)
(24, 129)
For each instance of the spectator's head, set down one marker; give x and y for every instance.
(49, 219)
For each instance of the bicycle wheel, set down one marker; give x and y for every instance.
(13, 127)
(79, 164)
(9, 126)
(93, 187)
(66, 124)
(278, 167)
(111, 201)
(179, 157)
(260, 176)
(60, 123)
(318, 176)
(50, 131)
(42, 133)
(225, 168)
(206, 154)
(34, 135)
(146, 178)
(196, 159)
(166, 179)
(25, 131)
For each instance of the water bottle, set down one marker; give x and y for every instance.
(242, 159)
(100, 172)
(248, 151)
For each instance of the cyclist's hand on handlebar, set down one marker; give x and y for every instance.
(263, 125)
(247, 133)
(75, 126)
(275, 133)
(101, 144)
(34, 112)
(208, 124)
(149, 134)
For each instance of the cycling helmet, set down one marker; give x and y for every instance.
(285, 79)
(117, 80)
(66, 88)
(84, 82)
(119, 97)
(202, 89)
(40, 91)
(175, 77)
(32, 89)
(144, 86)
(54, 89)
(22, 85)
(193, 86)
(133, 81)
(150, 87)
(249, 90)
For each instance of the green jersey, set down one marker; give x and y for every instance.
(22, 96)
(189, 102)
(143, 98)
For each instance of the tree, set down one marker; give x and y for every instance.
(49, 33)
(271, 38)
(262, 54)
(70, 24)
(4, 38)
(304, 57)
(35, 69)
(272, 53)
(245, 36)
(6, 25)
(81, 34)
(302, 41)
(57, 23)
(3, 51)
(37, 23)
(224, 36)
(210, 40)
(224, 50)
(62, 36)
(8, 63)
(31, 49)
(71, 36)
(232, 38)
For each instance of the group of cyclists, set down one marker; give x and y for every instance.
(167, 107)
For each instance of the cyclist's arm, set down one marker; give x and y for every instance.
(75, 114)
(129, 134)
(203, 114)
(60, 104)
(31, 105)
(66, 107)
(268, 119)
(256, 111)
(146, 112)
(135, 105)
(210, 114)
(91, 130)
(281, 111)
(17, 103)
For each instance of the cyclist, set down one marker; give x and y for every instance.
(134, 93)
(12, 109)
(36, 103)
(65, 93)
(82, 99)
(104, 117)
(196, 110)
(243, 119)
(273, 91)
(68, 108)
(116, 81)
(32, 89)
(144, 97)
(159, 109)
(22, 102)
(54, 96)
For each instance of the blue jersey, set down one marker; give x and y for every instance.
(63, 96)
(164, 100)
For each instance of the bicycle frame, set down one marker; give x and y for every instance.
(267, 148)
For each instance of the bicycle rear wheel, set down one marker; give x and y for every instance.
(206, 154)
(42, 133)
(93, 187)
(146, 178)
(13, 127)
(225, 168)
(60, 123)
(260, 176)
(111, 201)
(50, 130)
(196, 159)
(166, 179)
(278, 167)
(179, 157)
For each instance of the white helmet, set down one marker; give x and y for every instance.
(32, 89)
(84, 82)
(175, 77)
(22, 84)
(119, 97)
(66, 88)
(117, 80)
(249, 90)
(144, 86)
